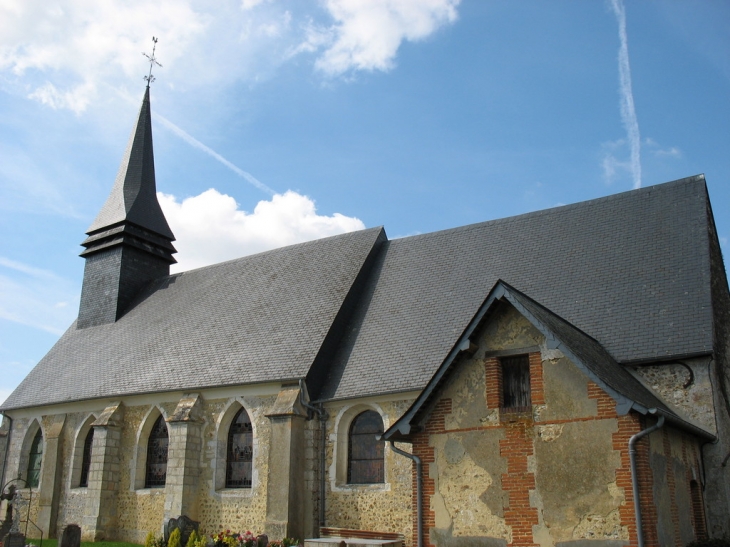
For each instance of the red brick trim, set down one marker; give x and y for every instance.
(517, 482)
(493, 379)
(537, 388)
(628, 426)
(671, 485)
(606, 405)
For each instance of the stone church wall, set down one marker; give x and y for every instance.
(383, 507)
(141, 510)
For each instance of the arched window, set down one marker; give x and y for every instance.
(35, 458)
(156, 470)
(239, 454)
(86, 458)
(365, 462)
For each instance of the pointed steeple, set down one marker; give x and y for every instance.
(130, 242)
(133, 197)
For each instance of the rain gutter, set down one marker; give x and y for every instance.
(634, 471)
(322, 416)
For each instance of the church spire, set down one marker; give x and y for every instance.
(130, 242)
(133, 197)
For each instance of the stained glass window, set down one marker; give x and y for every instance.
(35, 458)
(86, 459)
(365, 463)
(157, 455)
(240, 452)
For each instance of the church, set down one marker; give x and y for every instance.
(558, 379)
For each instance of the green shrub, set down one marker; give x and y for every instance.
(193, 539)
(174, 540)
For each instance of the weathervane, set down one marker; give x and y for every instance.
(153, 61)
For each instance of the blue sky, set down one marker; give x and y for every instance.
(280, 121)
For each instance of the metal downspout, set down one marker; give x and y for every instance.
(419, 489)
(322, 416)
(634, 478)
(7, 449)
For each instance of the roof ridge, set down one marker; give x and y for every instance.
(560, 208)
(278, 250)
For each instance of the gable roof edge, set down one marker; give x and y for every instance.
(402, 428)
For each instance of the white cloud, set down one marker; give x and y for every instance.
(211, 228)
(367, 34)
(657, 150)
(66, 54)
(36, 298)
(62, 52)
(613, 167)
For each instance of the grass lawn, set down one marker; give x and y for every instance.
(54, 543)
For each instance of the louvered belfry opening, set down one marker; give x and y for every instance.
(516, 383)
(365, 464)
(156, 469)
(239, 457)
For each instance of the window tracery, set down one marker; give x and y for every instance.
(157, 443)
(239, 453)
(365, 454)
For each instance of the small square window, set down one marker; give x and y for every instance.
(516, 383)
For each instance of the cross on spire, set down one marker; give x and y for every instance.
(153, 61)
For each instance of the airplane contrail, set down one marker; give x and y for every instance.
(628, 112)
(199, 145)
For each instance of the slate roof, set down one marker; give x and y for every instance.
(256, 319)
(631, 269)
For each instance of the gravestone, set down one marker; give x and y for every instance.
(14, 539)
(186, 525)
(7, 524)
(71, 536)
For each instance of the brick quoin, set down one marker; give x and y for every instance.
(690, 455)
(671, 485)
(537, 393)
(517, 482)
(493, 379)
(628, 426)
(423, 449)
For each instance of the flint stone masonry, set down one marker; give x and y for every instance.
(384, 507)
(687, 387)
